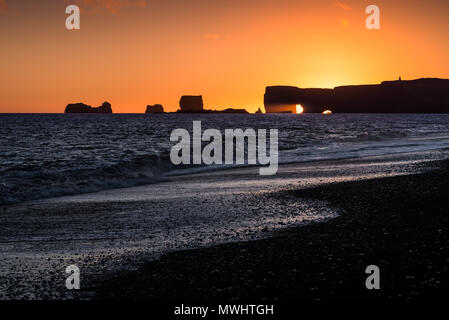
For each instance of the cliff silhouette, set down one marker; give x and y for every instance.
(426, 95)
(84, 108)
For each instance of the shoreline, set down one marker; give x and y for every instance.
(398, 223)
(111, 232)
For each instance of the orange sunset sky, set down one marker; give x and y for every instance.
(138, 52)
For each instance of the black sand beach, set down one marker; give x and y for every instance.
(400, 224)
(199, 236)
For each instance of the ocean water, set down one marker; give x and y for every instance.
(44, 155)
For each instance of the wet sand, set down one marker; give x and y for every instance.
(400, 224)
(119, 234)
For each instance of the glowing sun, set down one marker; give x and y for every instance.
(299, 108)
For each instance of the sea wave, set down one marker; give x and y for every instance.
(43, 156)
(24, 184)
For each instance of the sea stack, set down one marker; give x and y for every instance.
(84, 108)
(157, 108)
(191, 104)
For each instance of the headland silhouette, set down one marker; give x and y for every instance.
(426, 95)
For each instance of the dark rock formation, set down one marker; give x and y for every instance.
(194, 104)
(231, 110)
(228, 110)
(414, 96)
(157, 108)
(259, 111)
(84, 108)
(191, 104)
